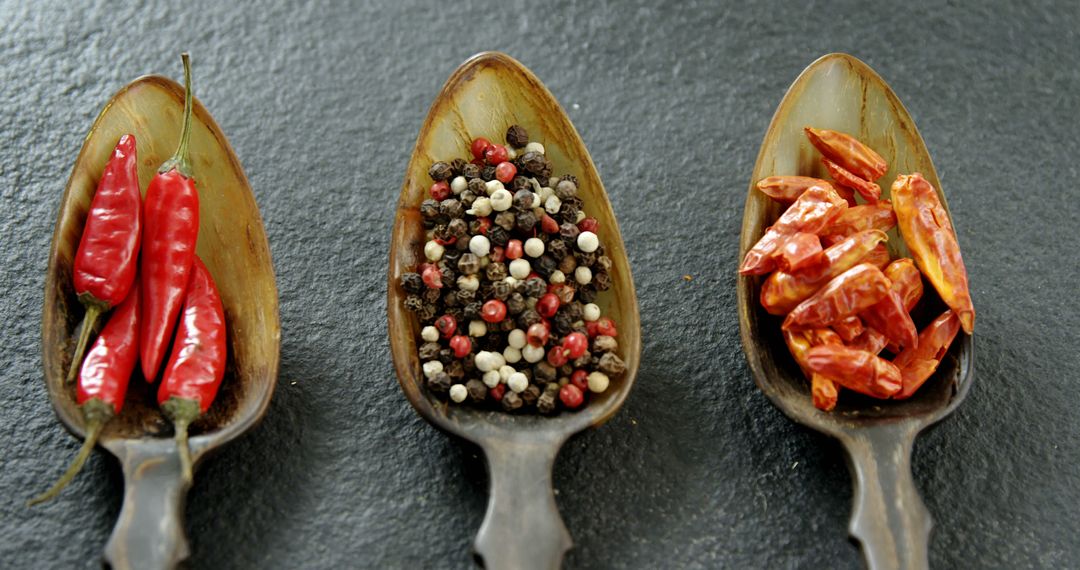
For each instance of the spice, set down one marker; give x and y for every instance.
(846, 303)
(512, 265)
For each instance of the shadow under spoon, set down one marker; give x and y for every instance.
(889, 519)
(149, 533)
(483, 97)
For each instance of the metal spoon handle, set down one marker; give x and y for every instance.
(522, 529)
(888, 517)
(149, 535)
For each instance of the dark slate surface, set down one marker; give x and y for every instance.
(698, 470)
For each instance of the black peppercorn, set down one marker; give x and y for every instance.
(467, 198)
(451, 208)
(511, 401)
(515, 304)
(496, 272)
(429, 208)
(604, 343)
(492, 341)
(569, 232)
(468, 264)
(429, 351)
(516, 136)
(457, 312)
(477, 390)
(470, 170)
(505, 220)
(611, 364)
(527, 318)
(413, 303)
(562, 323)
(574, 310)
(586, 259)
(427, 313)
(531, 394)
(487, 173)
(498, 236)
(520, 183)
(457, 166)
(535, 287)
(412, 282)
(505, 325)
(566, 189)
(526, 220)
(544, 372)
(586, 294)
(455, 370)
(477, 186)
(569, 177)
(545, 404)
(440, 171)
(536, 164)
(501, 290)
(557, 248)
(523, 199)
(603, 262)
(430, 295)
(446, 356)
(568, 212)
(451, 255)
(469, 362)
(545, 265)
(450, 299)
(472, 311)
(439, 383)
(602, 280)
(568, 264)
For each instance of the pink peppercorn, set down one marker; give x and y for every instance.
(576, 345)
(548, 305)
(461, 345)
(505, 172)
(580, 378)
(483, 224)
(479, 147)
(495, 154)
(440, 190)
(514, 249)
(493, 311)
(548, 225)
(447, 325)
(606, 327)
(571, 396)
(537, 335)
(432, 277)
(557, 356)
(498, 254)
(497, 392)
(589, 225)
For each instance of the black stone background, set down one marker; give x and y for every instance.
(323, 103)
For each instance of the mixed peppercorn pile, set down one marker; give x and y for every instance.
(844, 299)
(506, 299)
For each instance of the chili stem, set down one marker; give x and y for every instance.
(93, 312)
(96, 414)
(182, 411)
(179, 160)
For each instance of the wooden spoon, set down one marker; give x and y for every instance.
(149, 533)
(840, 92)
(487, 94)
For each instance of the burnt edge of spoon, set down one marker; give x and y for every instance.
(520, 449)
(149, 532)
(888, 517)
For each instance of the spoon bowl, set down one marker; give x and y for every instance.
(486, 95)
(233, 245)
(839, 92)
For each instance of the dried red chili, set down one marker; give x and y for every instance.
(105, 262)
(171, 228)
(197, 364)
(103, 381)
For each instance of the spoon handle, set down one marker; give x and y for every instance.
(150, 531)
(522, 528)
(888, 517)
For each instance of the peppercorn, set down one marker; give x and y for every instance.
(449, 279)
(452, 255)
(536, 164)
(455, 370)
(476, 187)
(526, 221)
(505, 220)
(568, 213)
(544, 372)
(545, 264)
(472, 311)
(586, 293)
(477, 390)
(501, 290)
(561, 323)
(546, 403)
(450, 299)
(511, 400)
(569, 232)
(411, 282)
(571, 396)
(515, 304)
(427, 312)
(566, 189)
(517, 136)
(523, 199)
(429, 208)
(451, 208)
(604, 343)
(603, 262)
(535, 287)
(487, 173)
(429, 350)
(557, 248)
(413, 303)
(498, 236)
(527, 318)
(439, 383)
(530, 395)
(496, 272)
(585, 258)
(602, 281)
(612, 364)
(430, 295)
(469, 264)
(520, 183)
(440, 171)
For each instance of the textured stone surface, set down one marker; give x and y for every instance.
(323, 103)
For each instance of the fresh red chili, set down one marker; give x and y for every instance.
(105, 263)
(103, 381)
(171, 228)
(197, 363)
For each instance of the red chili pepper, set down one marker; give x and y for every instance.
(105, 263)
(197, 364)
(169, 236)
(103, 381)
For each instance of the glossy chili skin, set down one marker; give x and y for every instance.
(879, 216)
(849, 293)
(111, 360)
(856, 370)
(787, 189)
(810, 213)
(919, 362)
(197, 363)
(848, 152)
(870, 191)
(105, 262)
